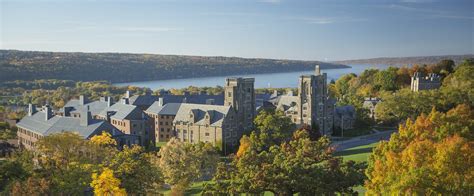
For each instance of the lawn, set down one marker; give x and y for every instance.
(359, 153)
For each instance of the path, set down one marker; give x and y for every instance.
(362, 140)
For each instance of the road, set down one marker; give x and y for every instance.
(362, 140)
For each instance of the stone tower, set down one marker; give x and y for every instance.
(312, 97)
(239, 93)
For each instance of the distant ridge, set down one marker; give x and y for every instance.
(126, 67)
(407, 60)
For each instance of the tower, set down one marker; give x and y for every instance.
(312, 97)
(239, 93)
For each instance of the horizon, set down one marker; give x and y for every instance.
(266, 29)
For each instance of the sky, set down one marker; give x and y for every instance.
(325, 30)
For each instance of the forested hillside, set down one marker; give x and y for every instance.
(420, 60)
(121, 67)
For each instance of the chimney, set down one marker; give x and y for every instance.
(82, 100)
(160, 101)
(125, 100)
(109, 114)
(86, 118)
(127, 94)
(48, 113)
(102, 99)
(109, 101)
(31, 109)
(186, 93)
(317, 70)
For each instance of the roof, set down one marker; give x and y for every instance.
(122, 111)
(167, 109)
(95, 107)
(284, 102)
(216, 113)
(57, 124)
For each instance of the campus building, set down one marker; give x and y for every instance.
(420, 82)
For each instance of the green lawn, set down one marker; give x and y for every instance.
(359, 153)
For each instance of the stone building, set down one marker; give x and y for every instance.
(344, 117)
(240, 94)
(130, 120)
(38, 124)
(418, 82)
(162, 117)
(369, 104)
(311, 106)
(74, 107)
(208, 123)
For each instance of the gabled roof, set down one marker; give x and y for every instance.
(122, 111)
(95, 107)
(37, 123)
(216, 112)
(167, 109)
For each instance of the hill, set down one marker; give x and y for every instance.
(407, 60)
(123, 67)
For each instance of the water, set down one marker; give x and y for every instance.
(274, 80)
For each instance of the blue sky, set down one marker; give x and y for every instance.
(283, 29)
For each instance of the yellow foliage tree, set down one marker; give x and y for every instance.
(244, 145)
(430, 156)
(106, 184)
(104, 139)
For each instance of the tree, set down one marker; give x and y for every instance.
(272, 127)
(299, 165)
(136, 170)
(430, 155)
(106, 183)
(104, 139)
(184, 163)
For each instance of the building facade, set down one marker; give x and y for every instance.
(207, 123)
(162, 117)
(239, 93)
(419, 82)
(311, 106)
(38, 124)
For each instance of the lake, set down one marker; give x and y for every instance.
(267, 80)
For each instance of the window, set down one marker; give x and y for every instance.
(166, 123)
(161, 123)
(161, 116)
(168, 130)
(167, 117)
(207, 134)
(161, 135)
(162, 129)
(229, 94)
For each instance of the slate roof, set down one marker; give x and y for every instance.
(37, 123)
(167, 109)
(95, 107)
(216, 112)
(122, 111)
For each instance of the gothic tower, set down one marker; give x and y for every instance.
(312, 94)
(239, 93)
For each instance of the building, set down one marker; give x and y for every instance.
(130, 120)
(418, 82)
(240, 94)
(344, 117)
(75, 107)
(208, 123)
(311, 106)
(162, 117)
(145, 101)
(38, 124)
(369, 104)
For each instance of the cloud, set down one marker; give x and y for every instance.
(271, 1)
(146, 29)
(328, 20)
(431, 13)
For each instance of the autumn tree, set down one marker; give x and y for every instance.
(183, 163)
(104, 139)
(106, 184)
(272, 127)
(299, 165)
(431, 155)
